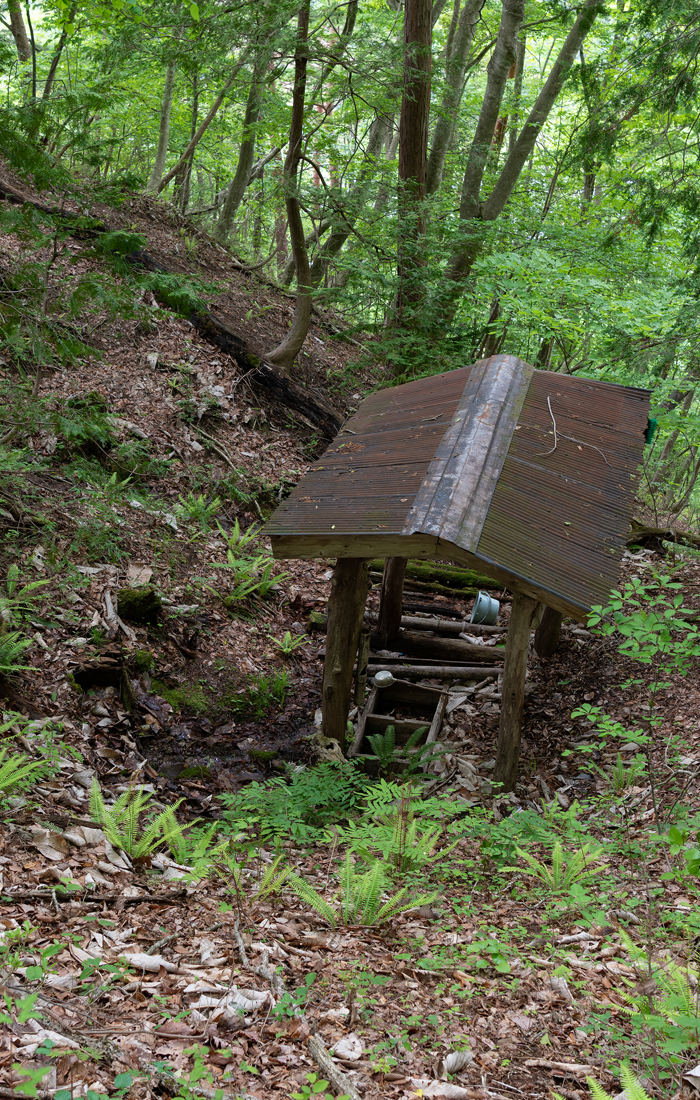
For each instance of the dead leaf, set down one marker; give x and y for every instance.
(51, 845)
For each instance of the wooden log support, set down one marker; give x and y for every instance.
(391, 600)
(362, 662)
(513, 691)
(346, 608)
(419, 644)
(435, 672)
(547, 633)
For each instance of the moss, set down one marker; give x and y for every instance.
(262, 756)
(70, 678)
(143, 660)
(198, 771)
(139, 605)
(186, 699)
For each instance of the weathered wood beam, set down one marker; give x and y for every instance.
(513, 691)
(547, 633)
(391, 600)
(346, 608)
(437, 672)
(362, 662)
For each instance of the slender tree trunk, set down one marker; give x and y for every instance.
(182, 197)
(19, 31)
(499, 66)
(517, 92)
(413, 151)
(32, 42)
(455, 68)
(204, 125)
(344, 220)
(164, 131)
(472, 211)
(55, 60)
(246, 155)
(284, 354)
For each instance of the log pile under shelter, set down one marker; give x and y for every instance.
(523, 476)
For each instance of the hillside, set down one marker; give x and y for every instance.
(137, 459)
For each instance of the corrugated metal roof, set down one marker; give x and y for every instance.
(557, 517)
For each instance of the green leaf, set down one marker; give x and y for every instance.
(194, 12)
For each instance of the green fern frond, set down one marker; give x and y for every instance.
(556, 864)
(12, 646)
(395, 905)
(271, 880)
(415, 737)
(313, 898)
(632, 1088)
(13, 770)
(369, 888)
(346, 879)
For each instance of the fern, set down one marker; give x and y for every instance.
(563, 873)
(307, 894)
(271, 881)
(14, 771)
(122, 822)
(633, 1090)
(12, 646)
(360, 899)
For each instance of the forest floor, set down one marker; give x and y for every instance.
(132, 467)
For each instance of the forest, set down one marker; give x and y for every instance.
(249, 849)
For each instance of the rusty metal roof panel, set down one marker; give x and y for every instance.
(532, 472)
(560, 512)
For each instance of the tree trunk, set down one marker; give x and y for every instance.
(517, 92)
(455, 68)
(471, 209)
(51, 75)
(284, 354)
(547, 633)
(19, 31)
(513, 692)
(499, 66)
(391, 602)
(182, 197)
(413, 152)
(203, 127)
(346, 608)
(344, 219)
(164, 131)
(246, 155)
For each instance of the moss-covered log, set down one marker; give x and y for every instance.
(451, 577)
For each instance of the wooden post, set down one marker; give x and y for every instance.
(513, 692)
(362, 662)
(547, 633)
(346, 608)
(391, 600)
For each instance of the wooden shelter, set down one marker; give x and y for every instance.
(527, 476)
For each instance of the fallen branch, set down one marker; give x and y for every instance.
(654, 537)
(340, 1081)
(210, 328)
(260, 373)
